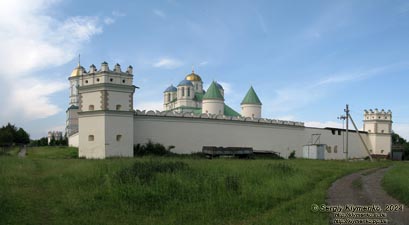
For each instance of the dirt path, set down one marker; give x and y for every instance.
(23, 152)
(364, 189)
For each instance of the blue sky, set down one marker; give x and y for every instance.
(305, 59)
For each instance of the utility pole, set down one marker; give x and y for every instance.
(363, 142)
(347, 118)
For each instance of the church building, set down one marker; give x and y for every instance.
(189, 96)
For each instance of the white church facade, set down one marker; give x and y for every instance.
(102, 122)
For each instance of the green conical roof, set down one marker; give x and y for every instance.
(213, 92)
(251, 98)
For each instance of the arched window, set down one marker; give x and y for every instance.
(168, 97)
(118, 107)
(188, 92)
(91, 107)
(183, 91)
(118, 137)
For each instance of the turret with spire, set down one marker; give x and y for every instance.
(213, 101)
(251, 105)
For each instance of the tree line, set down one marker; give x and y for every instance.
(11, 135)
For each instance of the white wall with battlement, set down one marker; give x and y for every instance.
(189, 133)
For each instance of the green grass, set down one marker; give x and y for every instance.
(13, 151)
(51, 187)
(396, 181)
(52, 152)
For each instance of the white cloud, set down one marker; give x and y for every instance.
(300, 95)
(159, 13)
(204, 63)
(117, 13)
(56, 128)
(323, 124)
(149, 105)
(109, 21)
(168, 63)
(32, 40)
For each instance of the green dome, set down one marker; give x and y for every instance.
(251, 98)
(213, 92)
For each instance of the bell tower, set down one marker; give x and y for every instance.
(106, 112)
(378, 124)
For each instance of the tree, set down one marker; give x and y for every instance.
(398, 140)
(22, 137)
(52, 140)
(6, 138)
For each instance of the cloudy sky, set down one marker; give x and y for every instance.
(305, 59)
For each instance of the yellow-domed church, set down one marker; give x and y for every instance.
(189, 96)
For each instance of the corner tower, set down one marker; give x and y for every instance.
(251, 105)
(106, 112)
(378, 124)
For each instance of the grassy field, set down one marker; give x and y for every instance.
(51, 186)
(396, 182)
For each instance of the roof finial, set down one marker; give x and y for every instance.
(79, 59)
(193, 69)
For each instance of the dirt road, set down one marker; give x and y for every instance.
(365, 189)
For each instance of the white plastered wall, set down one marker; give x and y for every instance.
(91, 98)
(92, 125)
(74, 140)
(118, 98)
(213, 106)
(191, 134)
(122, 125)
(251, 110)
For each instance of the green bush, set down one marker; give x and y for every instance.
(151, 148)
(292, 155)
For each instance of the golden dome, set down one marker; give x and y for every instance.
(193, 77)
(78, 71)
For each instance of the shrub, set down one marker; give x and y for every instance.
(292, 155)
(151, 148)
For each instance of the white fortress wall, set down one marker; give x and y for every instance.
(190, 133)
(74, 140)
